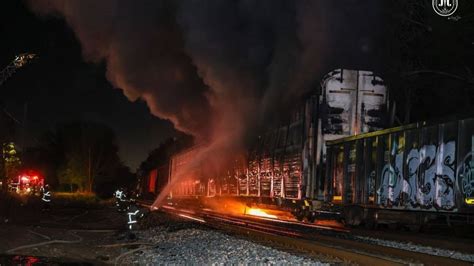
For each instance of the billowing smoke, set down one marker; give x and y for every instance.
(214, 68)
(143, 48)
(252, 54)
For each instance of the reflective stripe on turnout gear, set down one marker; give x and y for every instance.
(130, 215)
(122, 197)
(46, 196)
(118, 194)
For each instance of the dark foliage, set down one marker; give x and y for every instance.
(430, 60)
(80, 156)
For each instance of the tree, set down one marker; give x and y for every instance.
(72, 174)
(80, 154)
(430, 59)
(11, 160)
(7, 135)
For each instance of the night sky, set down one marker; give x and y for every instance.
(218, 71)
(60, 86)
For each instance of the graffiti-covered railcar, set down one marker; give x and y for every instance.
(411, 173)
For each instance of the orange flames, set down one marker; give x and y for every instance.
(259, 212)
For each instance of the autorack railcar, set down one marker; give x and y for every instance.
(285, 166)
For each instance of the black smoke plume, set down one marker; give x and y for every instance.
(216, 69)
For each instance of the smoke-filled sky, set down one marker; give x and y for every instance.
(214, 69)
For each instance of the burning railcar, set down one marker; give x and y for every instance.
(286, 168)
(285, 162)
(334, 158)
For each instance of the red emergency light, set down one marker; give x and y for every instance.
(31, 177)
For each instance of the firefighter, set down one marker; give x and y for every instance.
(45, 197)
(118, 194)
(133, 214)
(122, 201)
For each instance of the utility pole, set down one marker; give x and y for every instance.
(89, 170)
(3, 170)
(24, 131)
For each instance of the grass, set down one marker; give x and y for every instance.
(64, 199)
(77, 199)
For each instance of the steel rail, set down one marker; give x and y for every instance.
(311, 239)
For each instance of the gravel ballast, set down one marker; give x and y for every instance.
(418, 248)
(198, 245)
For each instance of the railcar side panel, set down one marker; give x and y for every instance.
(408, 169)
(465, 168)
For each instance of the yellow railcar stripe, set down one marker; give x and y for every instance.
(337, 198)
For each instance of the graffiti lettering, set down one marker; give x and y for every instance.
(466, 176)
(429, 180)
(444, 179)
(392, 180)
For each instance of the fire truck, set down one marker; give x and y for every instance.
(28, 182)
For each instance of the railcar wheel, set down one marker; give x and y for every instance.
(370, 220)
(415, 228)
(299, 214)
(311, 217)
(300, 217)
(369, 223)
(353, 215)
(392, 226)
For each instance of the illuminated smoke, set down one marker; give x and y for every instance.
(216, 69)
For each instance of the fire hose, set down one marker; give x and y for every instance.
(49, 242)
(117, 260)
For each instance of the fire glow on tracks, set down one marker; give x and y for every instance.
(307, 237)
(192, 218)
(259, 213)
(248, 213)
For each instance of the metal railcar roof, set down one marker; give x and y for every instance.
(378, 133)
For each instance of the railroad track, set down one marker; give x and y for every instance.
(310, 239)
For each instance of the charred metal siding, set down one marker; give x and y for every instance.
(352, 102)
(187, 175)
(289, 161)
